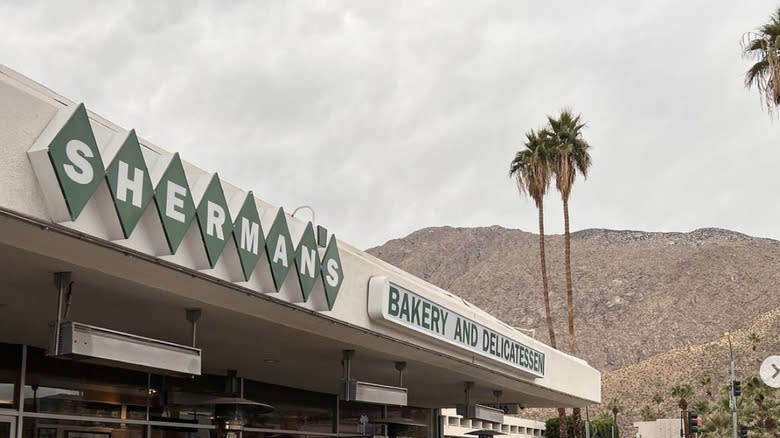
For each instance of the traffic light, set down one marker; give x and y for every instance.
(743, 431)
(693, 423)
(736, 387)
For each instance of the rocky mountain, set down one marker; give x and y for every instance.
(651, 308)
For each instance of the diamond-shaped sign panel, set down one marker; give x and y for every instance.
(279, 247)
(307, 261)
(248, 235)
(129, 183)
(76, 159)
(332, 273)
(174, 203)
(214, 220)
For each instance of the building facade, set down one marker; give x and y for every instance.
(146, 297)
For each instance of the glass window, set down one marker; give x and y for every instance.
(10, 365)
(184, 399)
(75, 388)
(181, 432)
(49, 428)
(294, 409)
(360, 418)
(412, 422)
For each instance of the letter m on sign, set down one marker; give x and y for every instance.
(248, 236)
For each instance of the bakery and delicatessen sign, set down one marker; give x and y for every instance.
(395, 305)
(72, 171)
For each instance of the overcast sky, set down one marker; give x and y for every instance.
(387, 117)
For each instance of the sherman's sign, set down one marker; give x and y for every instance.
(391, 303)
(72, 169)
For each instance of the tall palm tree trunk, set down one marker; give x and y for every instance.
(562, 429)
(545, 287)
(576, 413)
(569, 288)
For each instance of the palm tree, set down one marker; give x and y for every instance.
(647, 413)
(705, 383)
(702, 407)
(570, 155)
(683, 391)
(616, 406)
(531, 170)
(754, 340)
(763, 46)
(718, 425)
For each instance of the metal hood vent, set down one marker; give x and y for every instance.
(480, 412)
(103, 346)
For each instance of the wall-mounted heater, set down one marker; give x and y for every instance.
(103, 346)
(371, 392)
(375, 393)
(481, 412)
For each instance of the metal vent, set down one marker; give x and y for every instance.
(103, 346)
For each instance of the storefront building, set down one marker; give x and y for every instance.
(145, 297)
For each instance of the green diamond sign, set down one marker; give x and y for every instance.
(332, 274)
(174, 203)
(248, 235)
(214, 220)
(129, 183)
(68, 153)
(279, 248)
(76, 160)
(307, 261)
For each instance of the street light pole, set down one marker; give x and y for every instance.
(732, 397)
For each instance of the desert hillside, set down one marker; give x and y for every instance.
(651, 308)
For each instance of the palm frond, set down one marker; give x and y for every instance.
(763, 46)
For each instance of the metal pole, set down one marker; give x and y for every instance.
(346, 363)
(587, 423)
(61, 279)
(732, 397)
(193, 316)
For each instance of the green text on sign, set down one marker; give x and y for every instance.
(412, 310)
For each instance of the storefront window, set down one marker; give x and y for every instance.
(73, 388)
(126, 404)
(412, 422)
(360, 418)
(50, 428)
(186, 400)
(10, 365)
(294, 409)
(182, 432)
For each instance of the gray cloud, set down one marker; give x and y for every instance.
(390, 116)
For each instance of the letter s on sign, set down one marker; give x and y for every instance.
(79, 170)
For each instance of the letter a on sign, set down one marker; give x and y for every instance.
(279, 247)
(76, 159)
